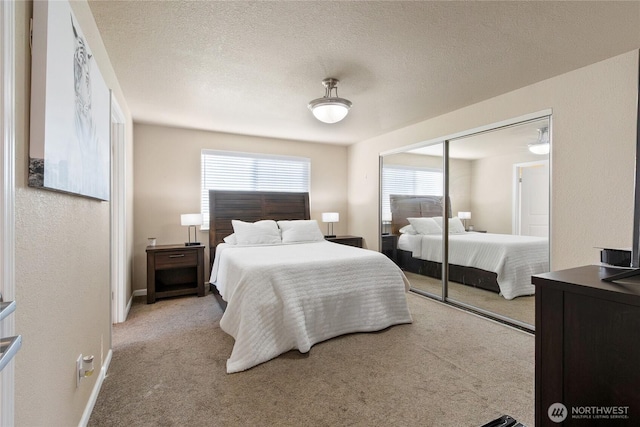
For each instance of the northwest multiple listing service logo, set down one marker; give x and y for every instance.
(558, 412)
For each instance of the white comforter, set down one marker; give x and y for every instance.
(513, 258)
(285, 297)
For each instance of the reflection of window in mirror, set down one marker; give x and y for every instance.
(409, 180)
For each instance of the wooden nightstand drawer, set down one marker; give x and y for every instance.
(174, 270)
(175, 259)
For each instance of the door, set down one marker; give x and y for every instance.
(533, 181)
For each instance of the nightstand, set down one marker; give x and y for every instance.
(174, 270)
(346, 240)
(390, 246)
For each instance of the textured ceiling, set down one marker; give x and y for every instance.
(250, 67)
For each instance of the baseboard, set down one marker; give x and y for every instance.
(96, 390)
(139, 292)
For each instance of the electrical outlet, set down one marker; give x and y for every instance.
(78, 370)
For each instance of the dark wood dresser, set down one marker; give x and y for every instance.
(174, 270)
(587, 348)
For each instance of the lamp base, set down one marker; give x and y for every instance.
(329, 236)
(192, 244)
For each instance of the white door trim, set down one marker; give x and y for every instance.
(118, 215)
(7, 200)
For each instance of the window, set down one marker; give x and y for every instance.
(226, 170)
(409, 180)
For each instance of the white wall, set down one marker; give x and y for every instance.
(167, 181)
(592, 159)
(62, 265)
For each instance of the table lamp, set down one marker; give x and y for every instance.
(191, 220)
(330, 218)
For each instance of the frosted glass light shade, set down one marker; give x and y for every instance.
(464, 215)
(330, 217)
(191, 219)
(329, 111)
(541, 148)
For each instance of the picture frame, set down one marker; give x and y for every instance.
(69, 147)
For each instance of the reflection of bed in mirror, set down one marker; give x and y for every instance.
(495, 262)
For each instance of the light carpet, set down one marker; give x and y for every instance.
(448, 368)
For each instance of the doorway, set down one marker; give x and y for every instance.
(119, 308)
(7, 200)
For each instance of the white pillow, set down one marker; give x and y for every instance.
(455, 224)
(425, 225)
(263, 232)
(231, 239)
(408, 229)
(300, 231)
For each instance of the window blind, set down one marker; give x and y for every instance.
(409, 180)
(225, 170)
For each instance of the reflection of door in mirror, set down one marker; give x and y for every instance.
(503, 186)
(531, 210)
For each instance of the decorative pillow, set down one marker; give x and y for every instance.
(263, 232)
(300, 231)
(408, 229)
(456, 226)
(425, 225)
(231, 239)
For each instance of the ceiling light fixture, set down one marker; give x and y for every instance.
(330, 109)
(541, 146)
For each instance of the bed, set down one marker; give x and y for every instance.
(495, 262)
(293, 294)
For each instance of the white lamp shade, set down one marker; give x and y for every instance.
(330, 217)
(330, 112)
(386, 217)
(191, 219)
(464, 215)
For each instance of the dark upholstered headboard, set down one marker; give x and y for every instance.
(251, 206)
(410, 206)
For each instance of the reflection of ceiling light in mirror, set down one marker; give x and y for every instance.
(541, 146)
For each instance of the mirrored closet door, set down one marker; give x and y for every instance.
(492, 189)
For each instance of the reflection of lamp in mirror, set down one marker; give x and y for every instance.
(464, 216)
(330, 218)
(191, 220)
(386, 223)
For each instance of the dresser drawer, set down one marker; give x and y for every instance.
(173, 259)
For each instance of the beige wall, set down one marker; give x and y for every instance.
(167, 181)
(492, 191)
(592, 159)
(62, 265)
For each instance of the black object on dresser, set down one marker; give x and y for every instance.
(174, 270)
(587, 348)
(346, 240)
